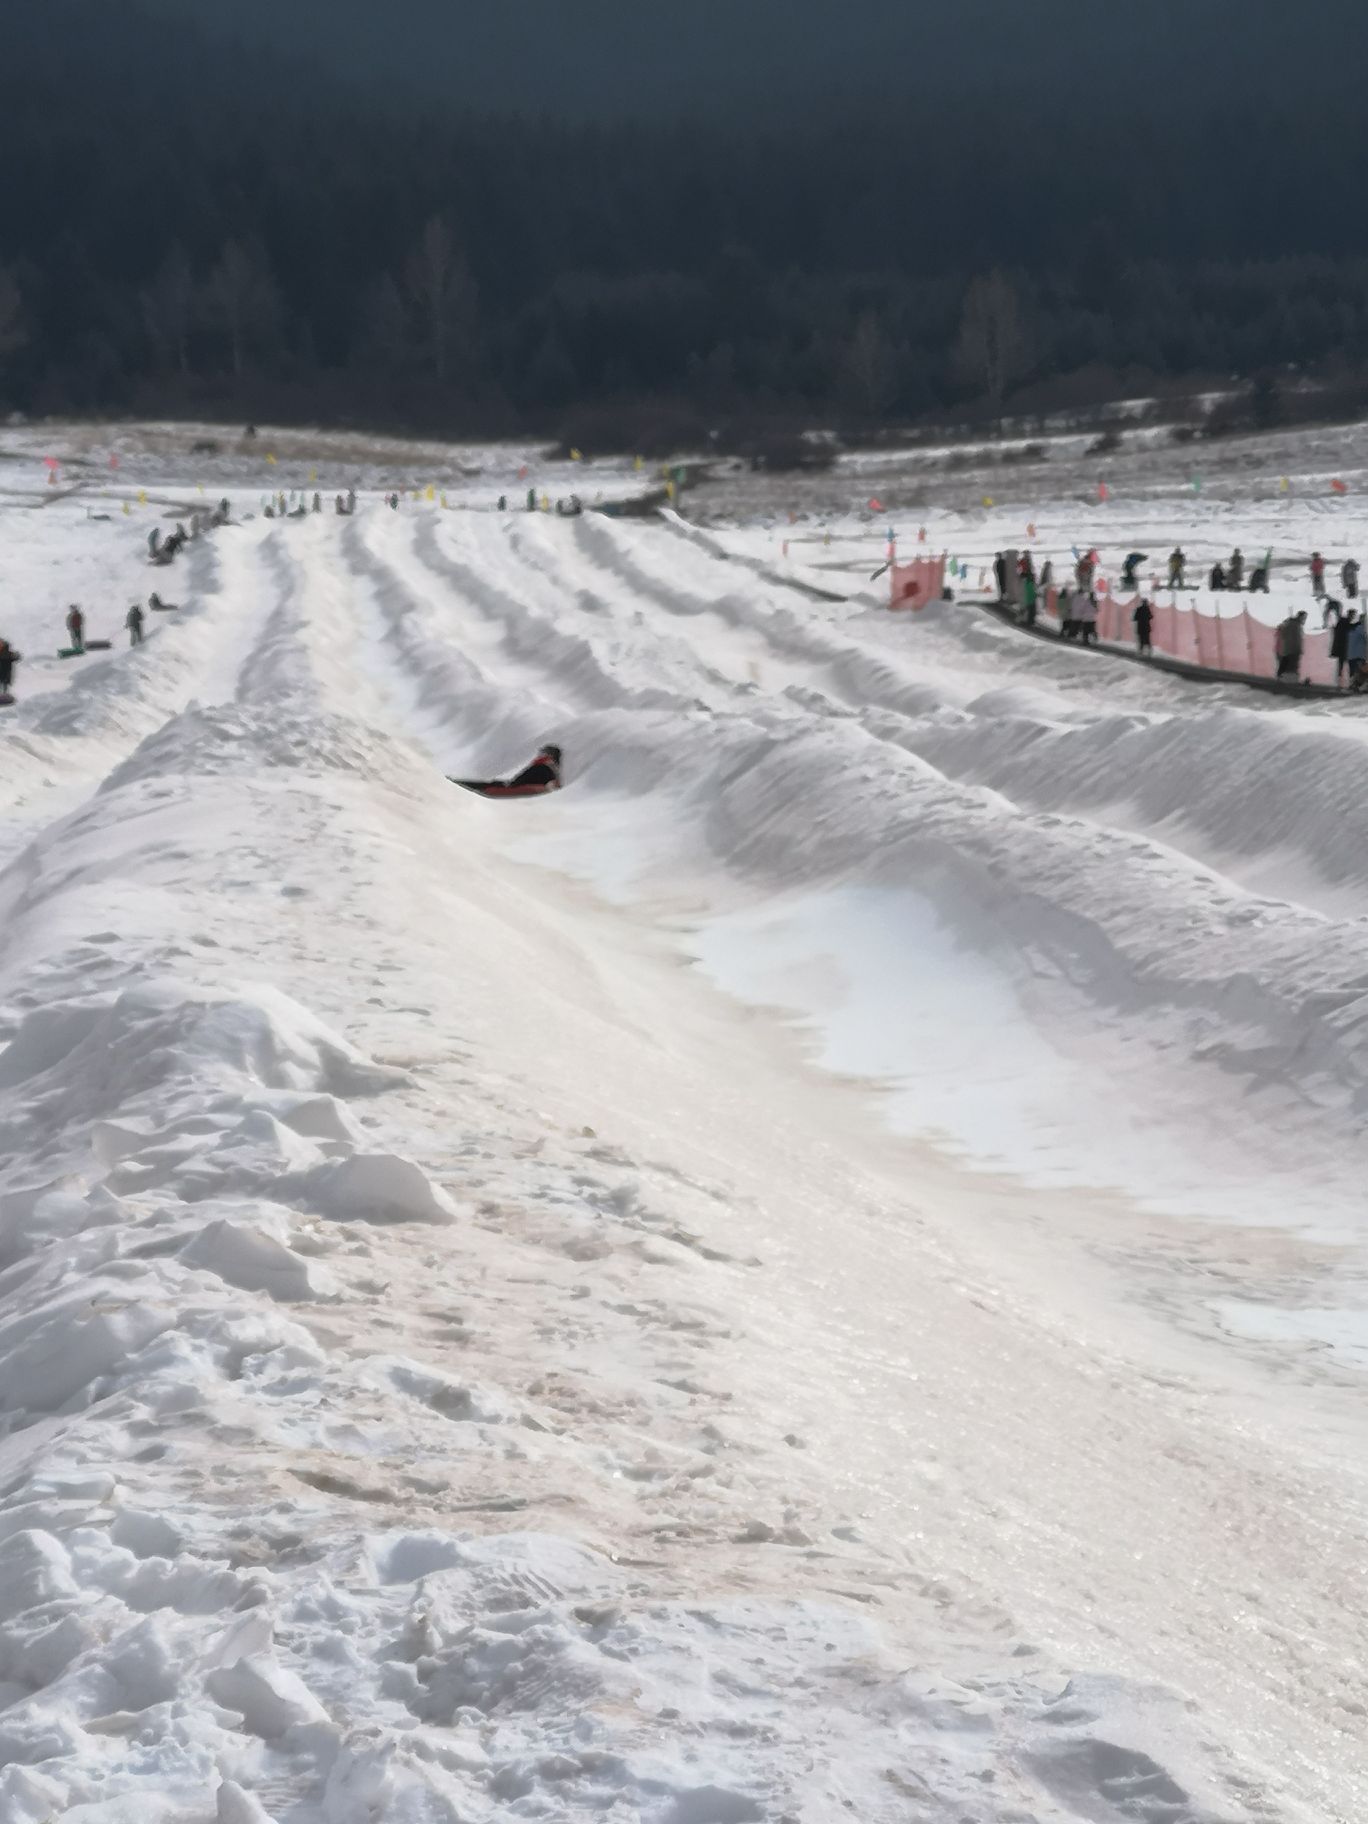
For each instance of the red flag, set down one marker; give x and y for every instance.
(1339, 487)
(1102, 490)
(876, 506)
(921, 536)
(1030, 532)
(113, 462)
(50, 462)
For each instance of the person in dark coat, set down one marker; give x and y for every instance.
(1339, 644)
(1291, 637)
(1356, 651)
(1235, 570)
(1000, 574)
(75, 625)
(1349, 575)
(133, 620)
(9, 658)
(1144, 625)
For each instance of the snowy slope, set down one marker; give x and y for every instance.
(457, 1363)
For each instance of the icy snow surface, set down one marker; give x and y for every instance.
(819, 1274)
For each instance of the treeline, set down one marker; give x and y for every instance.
(191, 229)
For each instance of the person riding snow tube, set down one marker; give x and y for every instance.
(541, 775)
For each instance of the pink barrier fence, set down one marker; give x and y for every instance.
(1219, 642)
(914, 585)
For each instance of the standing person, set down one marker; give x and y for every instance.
(1235, 570)
(1067, 624)
(1288, 645)
(1047, 576)
(1085, 608)
(1217, 579)
(1349, 575)
(1339, 646)
(133, 620)
(1357, 651)
(1000, 576)
(1331, 611)
(531, 500)
(1317, 575)
(351, 501)
(318, 503)
(75, 625)
(1144, 625)
(1028, 595)
(1177, 568)
(9, 658)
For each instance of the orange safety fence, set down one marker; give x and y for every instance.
(1218, 642)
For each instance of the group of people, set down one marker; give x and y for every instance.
(134, 621)
(1019, 587)
(1349, 578)
(165, 550)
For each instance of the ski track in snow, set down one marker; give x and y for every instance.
(455, 1367)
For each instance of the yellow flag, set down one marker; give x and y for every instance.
(432, 494)
(670, 489)
(270, 459)
(1285, 487)
(200, 486)
(987, 500)
(637, 464)
(313, 474)
(142, 497)
(575, 456)
(546, 503)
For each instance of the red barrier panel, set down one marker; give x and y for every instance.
(1217, 642)
(914, 585)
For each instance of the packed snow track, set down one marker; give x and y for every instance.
(817, 1273)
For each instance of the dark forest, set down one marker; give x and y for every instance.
(192, 226)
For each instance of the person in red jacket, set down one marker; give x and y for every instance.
(541, 775)
(75, 622)
(1317, 575)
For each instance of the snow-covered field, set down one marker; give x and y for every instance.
(818, 1274)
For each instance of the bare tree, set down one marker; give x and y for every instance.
(868, 370)
(167, 308)
(241, 299)
(443, 293)
(991, 349)
(382, 332)
(13, 329)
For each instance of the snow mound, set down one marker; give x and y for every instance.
(370, 1187)
(238, 739)
(108, 1052)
